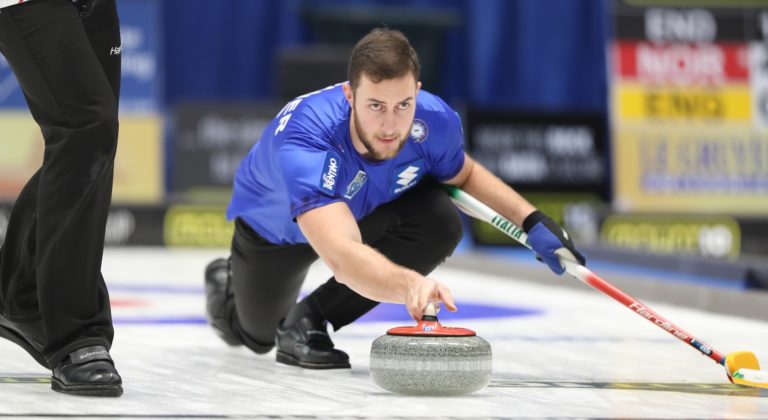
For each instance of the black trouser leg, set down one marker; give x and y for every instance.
(418, 231)
(17, 266)
(266, 280)
(71, 89)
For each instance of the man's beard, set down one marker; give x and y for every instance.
(372, 154)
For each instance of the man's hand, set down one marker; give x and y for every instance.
(546, 237)
(422, 290)
(334, 235)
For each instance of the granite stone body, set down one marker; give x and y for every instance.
(423, 365)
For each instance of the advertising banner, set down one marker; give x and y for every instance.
(695, 169)
(689, 107)
(138, 165)
(541, 152)
(141, 36)
(210, 142)
(705, 236)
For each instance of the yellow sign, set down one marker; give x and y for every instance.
(138, 166)
(197, 226)
(637, 102)
(673, 168)
(21, 151)
(718, 237)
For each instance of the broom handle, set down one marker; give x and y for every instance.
(475, 208)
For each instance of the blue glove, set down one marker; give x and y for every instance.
(546, 237)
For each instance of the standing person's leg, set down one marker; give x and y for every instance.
(74, 102)
(19, 310)
(418, 231)
(250, 293)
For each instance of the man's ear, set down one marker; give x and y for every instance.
(348, 92)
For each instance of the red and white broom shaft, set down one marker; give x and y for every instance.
(479, 210)
(590, 278)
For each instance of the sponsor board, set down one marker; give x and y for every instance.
(210, 141)
(541, 152)
(138, 165)
(683, 21)
(127, 225)
(758, 58)
(681, 64)
(689, 106)
(197, 226)
(21, 151)
(141, 33)
(706, 236)
(633, 102)
(135, 225)
(718, 169)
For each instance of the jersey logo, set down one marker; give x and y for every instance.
(330, 173)
(356, 184)
(419, 131)
(406, 176)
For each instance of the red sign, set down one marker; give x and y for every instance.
(682, 64)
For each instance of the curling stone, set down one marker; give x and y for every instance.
(430, 359)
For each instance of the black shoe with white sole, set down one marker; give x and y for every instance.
(305, 342)
(88, 372)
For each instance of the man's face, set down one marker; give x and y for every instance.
(382, 115)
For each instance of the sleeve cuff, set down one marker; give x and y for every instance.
(532, 219)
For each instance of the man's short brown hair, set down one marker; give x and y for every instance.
(383, 54)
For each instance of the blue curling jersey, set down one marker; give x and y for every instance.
(305, 159)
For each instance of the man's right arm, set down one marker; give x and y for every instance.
(333, 233)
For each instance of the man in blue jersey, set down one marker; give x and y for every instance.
(348, 174)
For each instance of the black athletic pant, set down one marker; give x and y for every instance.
(418, 230)
(51, 288)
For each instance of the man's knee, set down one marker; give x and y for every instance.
(93, 130)
(105, 128)
(91, 145)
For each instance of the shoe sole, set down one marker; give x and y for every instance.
(288, 359)
(105, 390)
(11, 335)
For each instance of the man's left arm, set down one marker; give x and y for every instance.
(544, 235)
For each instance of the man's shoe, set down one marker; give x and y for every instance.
(306, 343)
(219, 300)
(88, 371)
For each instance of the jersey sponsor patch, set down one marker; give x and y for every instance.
(330, 174)
(419, 131)
(356, 184)
(406, 176)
